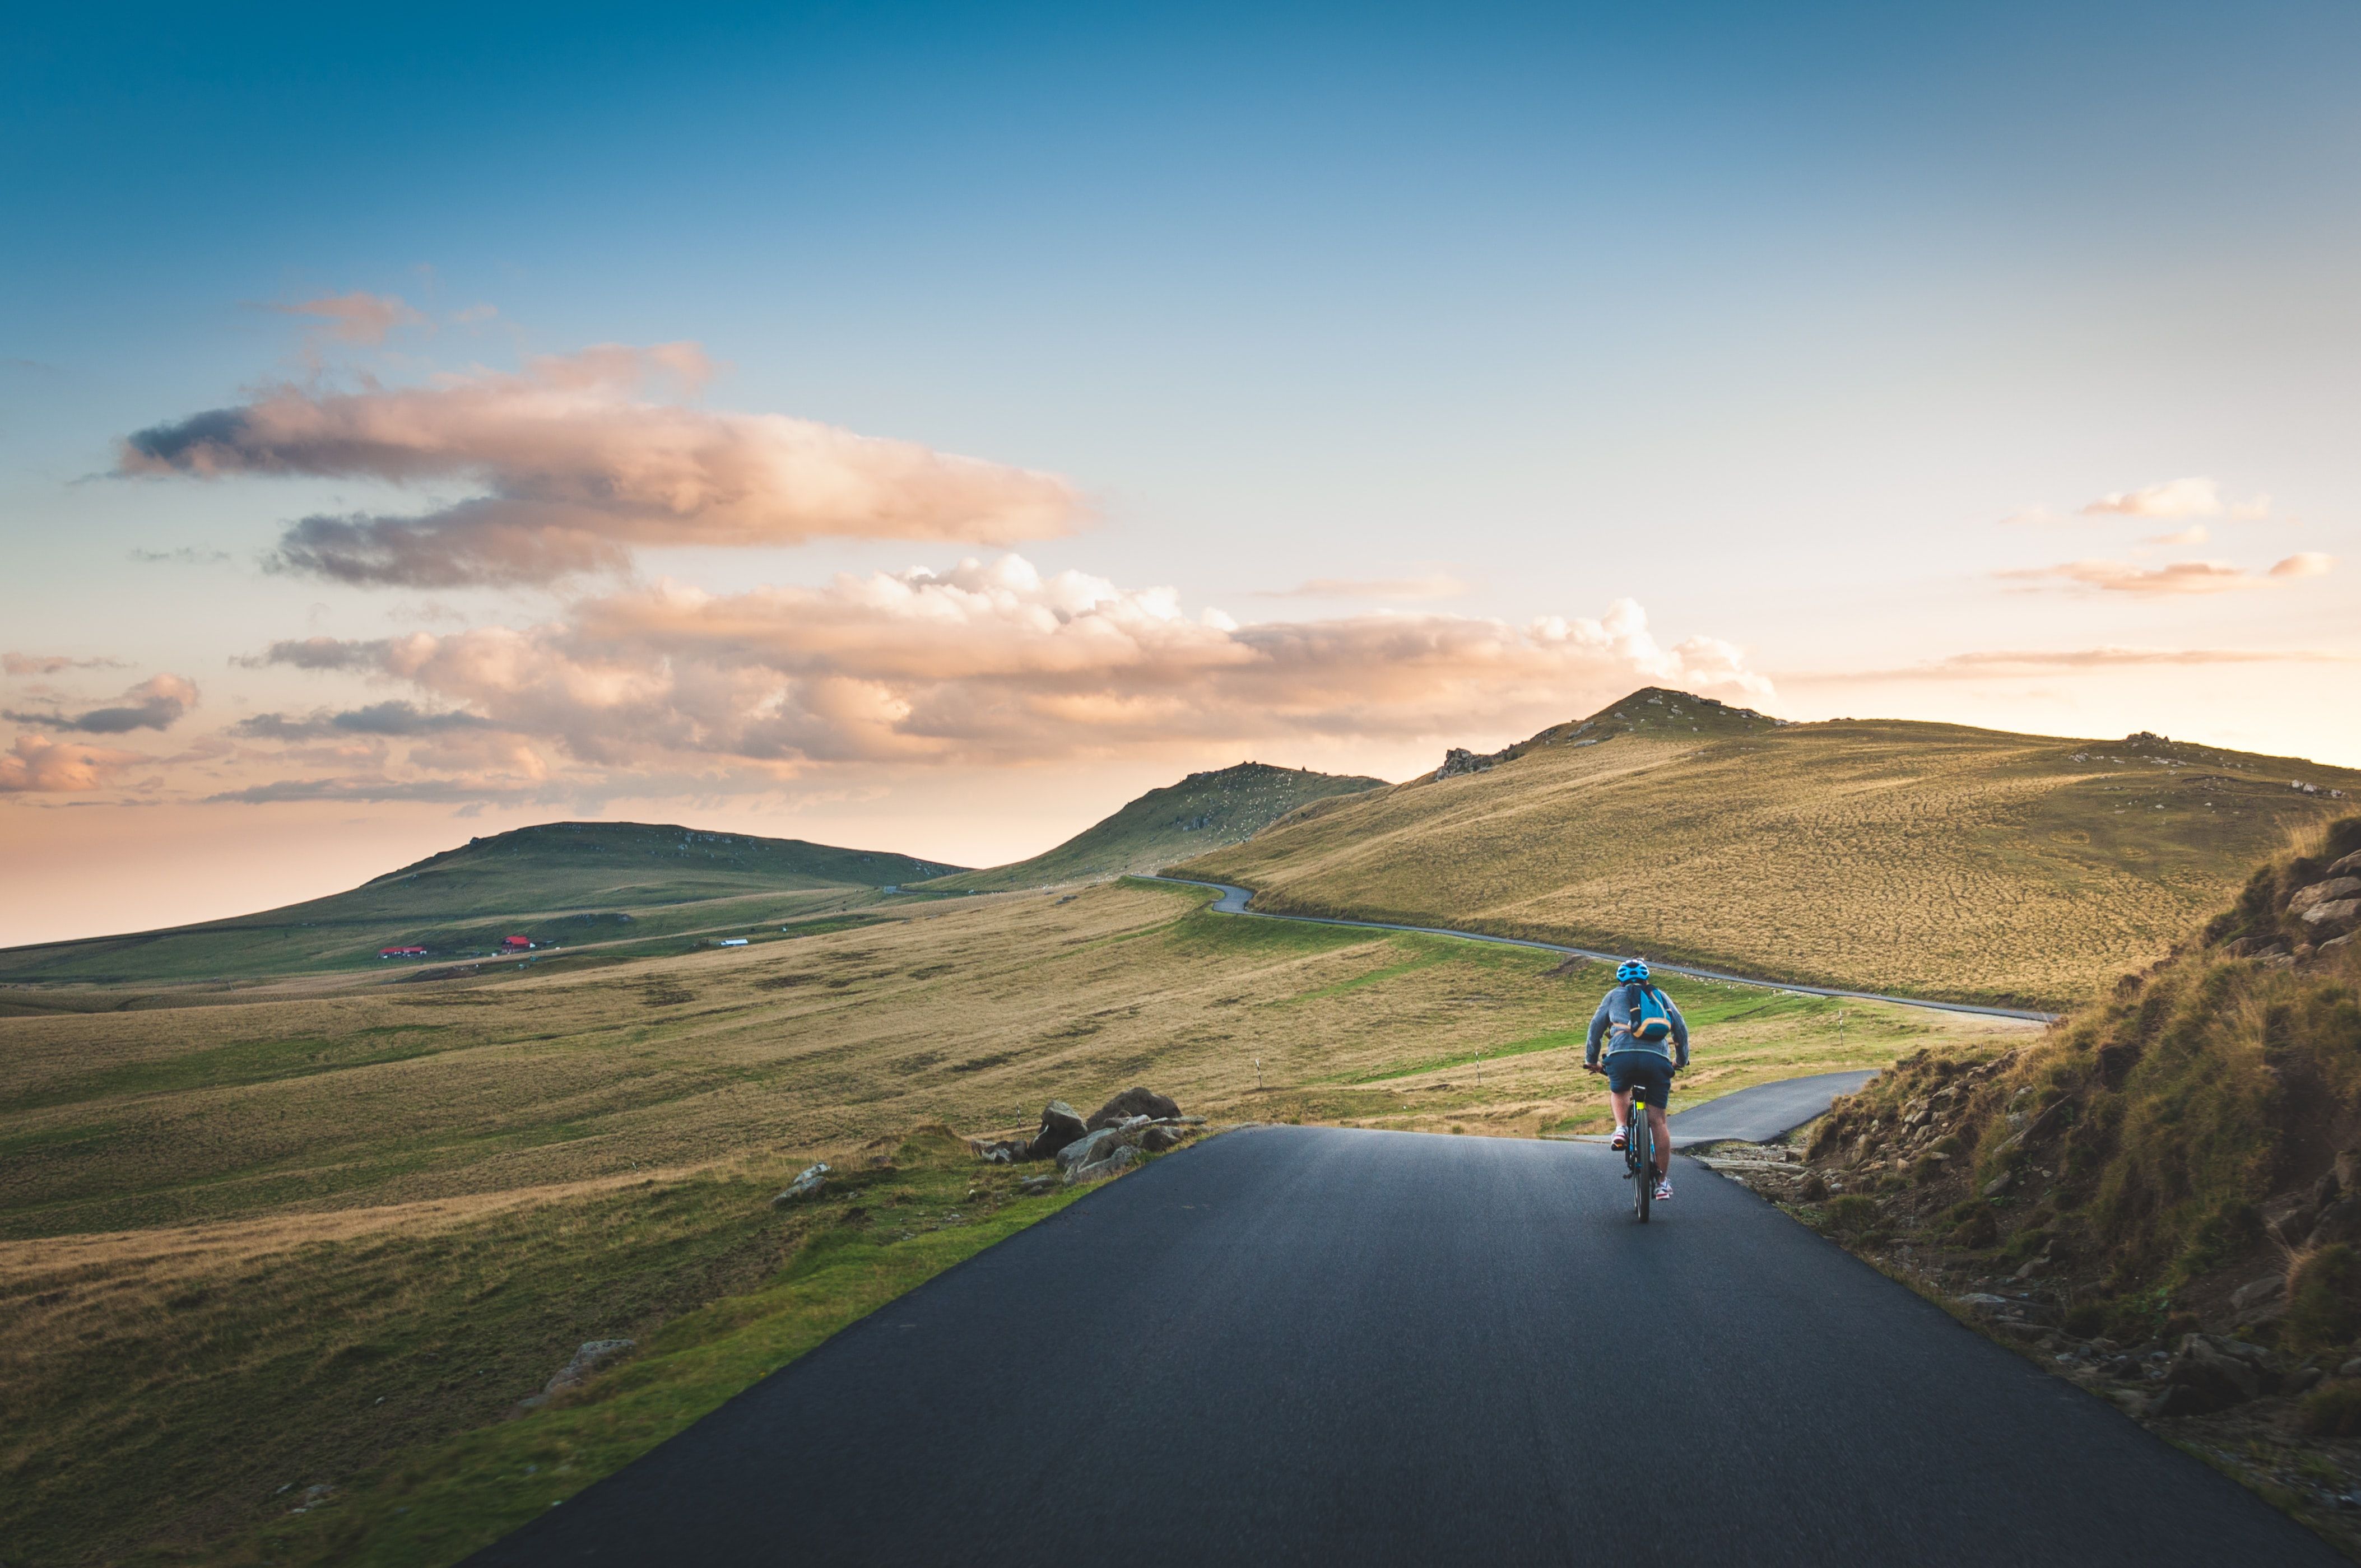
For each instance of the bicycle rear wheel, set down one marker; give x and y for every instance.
(1643, 1161)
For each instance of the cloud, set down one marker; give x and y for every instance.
(995, 662)
(51, 664)
(1438, 585)
(2173, 500)
(2174, 497)
(390, 718)
(2194, 535)
(357, 317)
(36, 765)
(155, 703)
(2179, 577)
(184, 557)
(579, 467)
(372, 789)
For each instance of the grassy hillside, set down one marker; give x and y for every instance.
(2181, 1158)
(1925, 859)
(1200, 812)
(227, 1231)
(571, 884)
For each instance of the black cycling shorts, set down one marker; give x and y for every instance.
(1646, 1071)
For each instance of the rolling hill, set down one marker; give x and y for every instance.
(558, 883)
(1202, 811)
(1925, 859)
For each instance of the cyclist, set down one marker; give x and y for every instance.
(1647, 1041)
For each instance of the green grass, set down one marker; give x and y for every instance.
(1201, 812)
(434, 1507)
(1917, 859)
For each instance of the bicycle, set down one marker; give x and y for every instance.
(1639, 1153)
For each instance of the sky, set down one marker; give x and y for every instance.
(924, 427)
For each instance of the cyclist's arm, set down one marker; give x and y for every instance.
(1680, 1036)
(1597, 1033)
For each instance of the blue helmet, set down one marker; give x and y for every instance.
(1630, 969)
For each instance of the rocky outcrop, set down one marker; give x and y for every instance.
(1133, 1103)
(1459, 760)
(1136, 1122)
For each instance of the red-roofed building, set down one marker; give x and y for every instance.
(402, 952)
(516, 944)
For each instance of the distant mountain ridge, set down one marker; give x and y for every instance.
(570, 881)
(1204, 810)
(1879, 854)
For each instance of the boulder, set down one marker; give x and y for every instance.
(1132, 1102)
(586, 1360)
(1120, 1160)
(2340, 1221)
(1088, 1148)
(1159, 1138)
(2334, 888)
(2349, 866)
(2256, 1295)
(2209, 1373)
(2327, 917)
(1035, 1186)
(813, 1179)
(1061, 1125)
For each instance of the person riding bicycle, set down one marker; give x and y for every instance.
(1647, 1042)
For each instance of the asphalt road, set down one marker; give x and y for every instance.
(1323, 1345)
(1757, 1115)
(1234, 900)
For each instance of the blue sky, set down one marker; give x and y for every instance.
(1764, 319)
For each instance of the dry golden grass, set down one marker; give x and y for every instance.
(1919, 859)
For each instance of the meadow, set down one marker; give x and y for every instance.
(1914, 858)
(277, 1238)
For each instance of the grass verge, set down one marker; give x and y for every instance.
(437, 1507)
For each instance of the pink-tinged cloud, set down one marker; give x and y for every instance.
(2173, 499)
(51, 664)
(579, 467)
(995, 663)
(2179, 577)
(36, 764)
(357, 317)
(155, 703)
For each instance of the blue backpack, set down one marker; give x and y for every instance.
(1649, 1018)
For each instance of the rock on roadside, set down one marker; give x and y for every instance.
(1061, 1125)
(1134, 1102)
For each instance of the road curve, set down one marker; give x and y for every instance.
(1311, 1345)
(1233, 902)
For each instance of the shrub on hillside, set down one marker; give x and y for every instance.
(1852, 1214)
(2323, 1299)
(2334, 1411)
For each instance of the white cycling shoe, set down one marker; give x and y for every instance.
(1664, 1189)
(1621, 1139)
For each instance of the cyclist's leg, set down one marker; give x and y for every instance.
(1659, 1093)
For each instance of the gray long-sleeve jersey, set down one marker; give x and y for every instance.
(1614, 1018)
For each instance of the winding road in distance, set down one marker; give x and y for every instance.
(1324, 1345)
(1234, 900)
